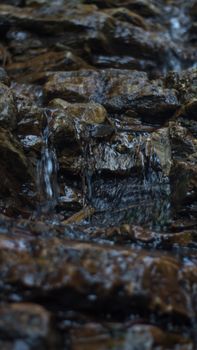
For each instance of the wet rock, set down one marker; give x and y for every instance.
(13, 2)
(73, 122)
(15, 171)
(162, 148)
(193, 11)
(97, 31)
(128, 152)
(116, 90)
(31, 116)
(26, 326)
(183, 171)
(189, 109)
(138, 336)
(125, 15)
(58, 267)
(12, 156)
(70, 199)
(185, 184)
(147, 337)
(109, 159)
(89, 113)
(190, 125)
(143, 7)
(118, 242)
(4, 79)
(183, 143)
(186, 86)
(28, 99)
(71, 161)
(126, 233)
(38, 68)
(8, 112)
(122, 62)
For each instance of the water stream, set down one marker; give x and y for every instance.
(47, 168)
(117, 264)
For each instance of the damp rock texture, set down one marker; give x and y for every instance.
(98, 175)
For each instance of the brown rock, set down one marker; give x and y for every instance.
(27, 325)
(8, 112)
(148, 282)
(116, 90)
(15, 172)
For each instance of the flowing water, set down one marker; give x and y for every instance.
(142, 199)
(47, 168)
(125, 178)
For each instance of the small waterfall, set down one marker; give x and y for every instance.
(47, 168)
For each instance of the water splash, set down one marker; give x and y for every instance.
(47, 168)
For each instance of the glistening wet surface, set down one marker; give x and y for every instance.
(98, 169)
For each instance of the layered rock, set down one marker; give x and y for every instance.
(98, 174)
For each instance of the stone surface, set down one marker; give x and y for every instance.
(15, 172)
(117, 90)
(63, 268)
(98, 174)
(27, 326)
(8, 112)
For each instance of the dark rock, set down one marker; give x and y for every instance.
(70, 199)
(98, 159)
(15, 172)
(193, 10)
(183, 143)
(4, 79)
(122, 62)
(37, 69)
(138, 336)
(184, 151)
(8, 112)
(117, 90)
(99, 33)
(26, 326)
(74, 122)
(185, 184)
(143, 7)
(125, 15)
(147, 337)
(186, 86)
(58, 267)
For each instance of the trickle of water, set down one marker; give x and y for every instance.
(47, 168)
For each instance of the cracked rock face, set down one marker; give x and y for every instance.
(98, 169)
